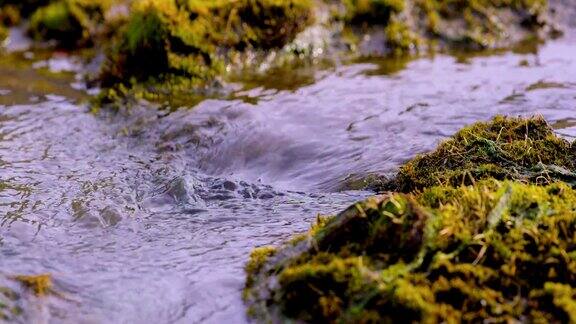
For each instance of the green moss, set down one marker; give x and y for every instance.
(467, 24)
(400, 39)
(71, 23)
(526, 150)
(189, 41)
(371, 11)
(258, 257)
(478, 23)
(24, 7)
(3, 33)
(496, 251)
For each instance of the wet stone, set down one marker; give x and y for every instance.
(110, 216)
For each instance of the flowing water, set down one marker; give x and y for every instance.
(149, 217)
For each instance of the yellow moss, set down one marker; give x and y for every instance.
(190, 40)
(258, 257)
(400, 38)
(564, 297)
(39, 284)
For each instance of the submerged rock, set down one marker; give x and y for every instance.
(495, 251)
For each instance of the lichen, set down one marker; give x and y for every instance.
(495, 251)
(519, 149)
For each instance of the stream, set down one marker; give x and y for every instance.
(149, 216)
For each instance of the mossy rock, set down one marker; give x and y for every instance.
(9, 15)
(412, 25)
(24, 7)
(191, 40)
(4, 33)
(72, 23)
(519, 149)
(371, 11)
(492, 252)
(479, 23)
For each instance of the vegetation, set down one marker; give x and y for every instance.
(192, 39)
(192, 42)
(67, 21)
(415, 25)
(495, 251)
(525, 150)
(481, 229)
(371, 11)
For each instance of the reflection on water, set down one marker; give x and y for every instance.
(148, 217)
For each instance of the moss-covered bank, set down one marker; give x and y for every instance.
(422, 25)
(159, 48)
(191, 38)
(459, 245)
(70, 23)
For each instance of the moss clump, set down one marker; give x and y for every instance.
(3, 33)
(258, 258)
(520, 149)
(189, 41)
(371, 11)
(24, 8)
(9, 15)
(455, 24)
(72, 23)
(39, 284)
(400, 39)
(496, 251)
(478, 23)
